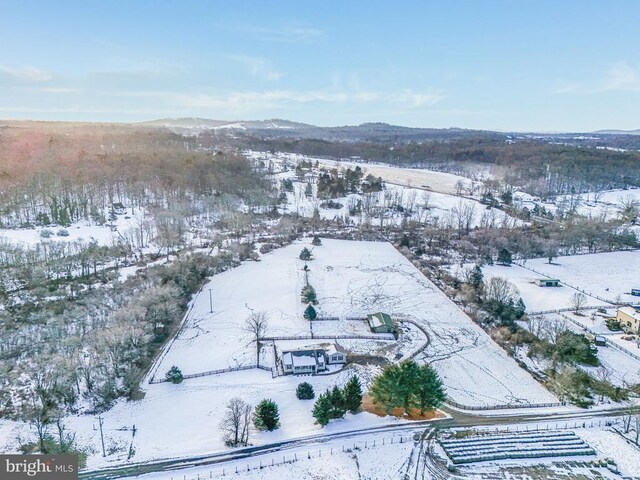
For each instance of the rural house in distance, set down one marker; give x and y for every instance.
(629, 319)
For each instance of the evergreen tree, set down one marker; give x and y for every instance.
(309, 295)
(305, 391)
(476, 277)
(322, 410)
(408, 386)
(174, 375)
(353, 394)
(310, 313)
(504, 257)
(305, 254)
(266, 415)
(316, 241)
(338, 408)
(429, 390)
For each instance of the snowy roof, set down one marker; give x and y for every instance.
(286, 358)
(334, 348)
(630, 311)
(304, 360)
(379, 319)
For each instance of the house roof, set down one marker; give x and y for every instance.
(304, 360)
(379, 319)
(630, 311)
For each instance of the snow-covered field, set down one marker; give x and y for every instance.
(600, 205)
(111, 234)
(536, 298)
(351, 279)
(409, 177)
(609, 275)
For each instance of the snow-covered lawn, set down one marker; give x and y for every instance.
(607, 275)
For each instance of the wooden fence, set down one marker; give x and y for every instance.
(502, 407)
(328, 337)
(215, 372)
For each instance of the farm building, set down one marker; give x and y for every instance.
(312, 359)
(548, 282)
(380, 323)
(629, 319)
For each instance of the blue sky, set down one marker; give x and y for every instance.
(558, 65)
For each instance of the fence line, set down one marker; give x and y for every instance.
(455, 404)
(215, 372)
(259, 464)
(606, 300)
(567, 309)
(328, 337)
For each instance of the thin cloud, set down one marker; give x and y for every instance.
(622, 77)
(270, 99)
(258, 67)
(26, 73)
(285, 34)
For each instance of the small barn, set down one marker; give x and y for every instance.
(548, 282)
(380, 323)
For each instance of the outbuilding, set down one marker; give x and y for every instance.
(380, 323)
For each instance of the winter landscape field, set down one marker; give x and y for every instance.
(320, 240)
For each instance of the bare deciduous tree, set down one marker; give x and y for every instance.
(578, 300)
(236, 423)
(257, 325)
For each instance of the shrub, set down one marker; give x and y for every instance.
(63, 232)
(305, 254)
(174, 375)
(310, 313)
(305, 391)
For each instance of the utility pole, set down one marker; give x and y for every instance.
(100, 420)
(210, 302)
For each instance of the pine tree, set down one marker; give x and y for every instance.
(353, 394)
(476, 277)
(266, 415)
(322, 409)
(305, 254)
(338, 408)
(174, 375)
(408, 386)
(316, 241)
(310, 313)
(429, 390)
(305, 391)
(308, 295)
(504, 257)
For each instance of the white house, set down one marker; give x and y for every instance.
(312, 359)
